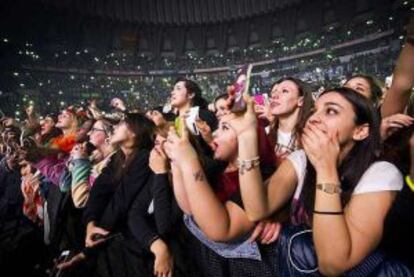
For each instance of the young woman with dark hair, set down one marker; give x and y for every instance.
(368, 87)
(214, 213)
(335, 183)
(113, 193)
(221, 106)
(185, 95)
(156, 219)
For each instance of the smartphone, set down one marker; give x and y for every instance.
(64, 257)
(89, 148)
(96, 237)
(190, 120)
(259, 99)
(241, 87)
(177, 126)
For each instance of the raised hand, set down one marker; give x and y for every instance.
(91, 230)
(244, 122)
(79, 151)
(393, 123)
(178, 148)
(158, 161)
(322, 148)
(204, 130)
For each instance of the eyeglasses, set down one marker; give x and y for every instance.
(97, 130)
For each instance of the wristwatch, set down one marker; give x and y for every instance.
(329, 188)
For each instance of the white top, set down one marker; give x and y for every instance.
(284, 138)
(284, 145)
(380, 176)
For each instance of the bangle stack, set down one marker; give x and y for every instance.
(247, 165)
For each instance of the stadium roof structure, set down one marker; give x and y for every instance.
(173, 12)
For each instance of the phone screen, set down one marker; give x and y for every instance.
(259, 99)
(241, 86)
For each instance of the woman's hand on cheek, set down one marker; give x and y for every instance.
(158, 161)
(321, 147)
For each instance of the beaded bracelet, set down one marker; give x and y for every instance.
(246, 165)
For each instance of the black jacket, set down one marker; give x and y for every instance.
(145, 226)
(109, 202)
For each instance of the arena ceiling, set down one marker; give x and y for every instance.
(172, 12)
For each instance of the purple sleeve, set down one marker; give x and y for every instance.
(52, 168)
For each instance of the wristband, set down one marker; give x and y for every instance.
(328, 213)
(409, 182)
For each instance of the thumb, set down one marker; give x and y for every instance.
(101, 231)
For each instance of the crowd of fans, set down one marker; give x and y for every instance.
(312, 175)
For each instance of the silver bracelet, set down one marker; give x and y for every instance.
(248, 164)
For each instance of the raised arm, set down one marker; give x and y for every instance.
(259, 201)
(403, 77)
(80, 187)
(359, 225)
(179, 189)
(218, 221)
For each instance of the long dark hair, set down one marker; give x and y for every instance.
(361, 156)
(376, 91)
(144, 130)
(305, 92)
(223, 96)
(193, 88)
